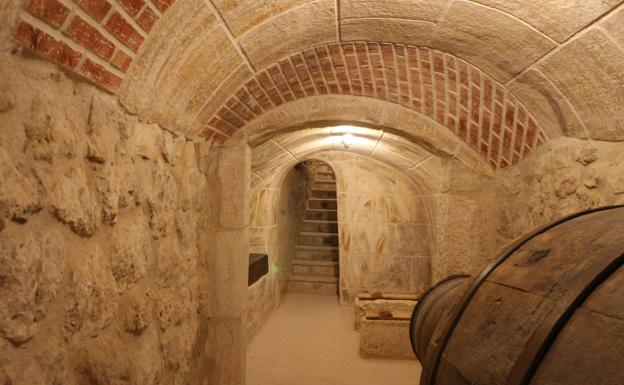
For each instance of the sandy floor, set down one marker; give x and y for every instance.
(310, 340)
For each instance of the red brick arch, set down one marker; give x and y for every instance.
(97, 39)
(459, 96)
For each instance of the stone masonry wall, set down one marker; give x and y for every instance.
(99, 223)
(568, 175)
(478, 216)
(385, 228)
(275, 216)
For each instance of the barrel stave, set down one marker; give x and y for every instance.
(550, 311)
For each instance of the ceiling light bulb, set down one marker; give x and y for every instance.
(347, 140)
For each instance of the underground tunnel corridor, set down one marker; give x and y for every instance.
(158, 225)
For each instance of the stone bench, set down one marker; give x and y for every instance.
(383, 322)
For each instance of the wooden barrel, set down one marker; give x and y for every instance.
(426, 314)
(548, 311)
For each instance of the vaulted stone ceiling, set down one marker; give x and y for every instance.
(272, 158)
(502, 76)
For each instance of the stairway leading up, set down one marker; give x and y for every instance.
(315, 267)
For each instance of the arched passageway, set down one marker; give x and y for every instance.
(144, 144)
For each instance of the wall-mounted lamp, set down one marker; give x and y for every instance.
(347, 140)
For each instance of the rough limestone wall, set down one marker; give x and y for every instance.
(275, 216)
(478, 216)
(467, 213)
(385, 226)
(568, 175)
(99, 223)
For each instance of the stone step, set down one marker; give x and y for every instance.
(318, 221)
(324, 203)
(317, 248)
(318, 240)
(322, 288)
(317, 253)
(319, 226)
(313, 278)
(322, 194)
(321, 214)
(318, 233)
(327, 269)
(306, 262)
(324, 184)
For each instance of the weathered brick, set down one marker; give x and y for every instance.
(121, 61)
(483, 149)
(452, 98)
(463, 125)
(124, 31)
(265, 80)
(221, 125)
(531, 134)
(428, 101)
(280, 82)
(52, 12)
(464, 96)
(387, 54)
(507, 135)
(100, 75)
(440, 85)
(230, 117)
(97, 9)
(291, 77)
(475, 106)
(147, 19)
(476, 77)
(494, 148)
(440, 114)
(304, 76)
(416, 84)
(519, 135)
(438, 62)
(88, 36)
(509, 115)
(254, 88)
(219, 137)
(45, 45)
(498, 118)
(133, 7)
(474, 136)
(417, 105)
(450, 91)
(451, 123)
(163, 5)
(487, 92)
(412, 57)
(485, 125)
(245, 97)
(239, 109)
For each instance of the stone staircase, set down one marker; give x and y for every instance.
(315, 267)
